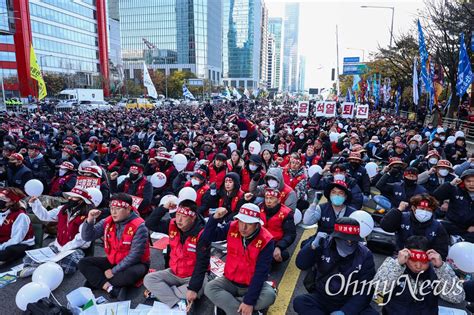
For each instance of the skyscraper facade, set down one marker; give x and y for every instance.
(264, 47)
(275, 28)
(302, 74)
(242, 43)
(271, 62)
(290, 48)
(171, 35)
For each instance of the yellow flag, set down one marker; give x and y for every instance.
(35, 73)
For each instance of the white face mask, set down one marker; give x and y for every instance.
(340, 177)
(6, 143)
(281, 151)
(423, 215)
(272, 183)
(443, 172)
(436, 144)
(253, 168)
(301, 137)
(195, 182)
(62, 172)
(433, 161)
(243, 133)
(442, 138)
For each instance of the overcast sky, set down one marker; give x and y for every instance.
(358, 28)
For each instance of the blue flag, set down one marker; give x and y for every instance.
(448, 103)
(397, 99)
(355, 82)
(464, 69)
(187, 93)
(431, 90)
(423, 58)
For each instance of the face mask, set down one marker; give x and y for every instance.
(423, 215)
(272, 183)
(62, 172)
(3, 204)
(409, 182)
(443, 172)
(433, 161)
(195, 182)
(340, 177)
(281, 151)
(6, 143)
(436, 144)
(442, 138)
(243, 133)
(354, 164)
(413, 146)
(344, 249)
(133, 176)
(72, 203)
(64, 156)
(253, 168)
(337, 200)
(301, 137)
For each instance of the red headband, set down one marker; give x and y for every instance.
(136, 168)
(424, 204)
(347, 229)
(249, 212)
(186, 211)
(418, 255)
(81, 193)
(272, 193)
(119, 204)
(11, 195)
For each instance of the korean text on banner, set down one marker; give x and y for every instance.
(329, 109)
(319, 109)
(303, 109)
(362, 111)
(88, 182)
(35, 72)
(347, 110)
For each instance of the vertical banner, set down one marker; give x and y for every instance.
(362, 111)
(35, 72)
(329, 109)
(347, 110)
(303, 109)
(319, 109)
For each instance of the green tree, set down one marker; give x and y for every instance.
(175, 83)
(55, 83)
(133, 89)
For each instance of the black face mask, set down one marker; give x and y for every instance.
(12, 164)
(3, 204)
(72, 203)
(354, 164)
(133, 176)
(409, 182)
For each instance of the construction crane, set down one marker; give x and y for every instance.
(148, 44)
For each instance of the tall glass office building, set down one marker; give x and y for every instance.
(290, 48)
(172, 35)
(242, 43)
(275, 27)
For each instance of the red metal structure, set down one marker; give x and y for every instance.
(103, 44)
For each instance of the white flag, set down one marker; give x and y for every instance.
(247, 93)
(236, 94)
(416, 97)
(148, 83)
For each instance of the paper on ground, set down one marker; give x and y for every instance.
(45, 254)
(161, 308)
(217, 266)
(118, 308)
(158, 235)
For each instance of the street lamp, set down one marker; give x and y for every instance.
(383, 7)
(359, 49)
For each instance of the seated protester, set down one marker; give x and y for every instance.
(278, 220)
(417, 220)
(419, 265)
(456, 152)
(135, 185)
(236, 162)
(70, 218)
(395, 193)
(67, 154)
(341, 253)
(163, 162)
(189, 258)
(460, 168)
(126, 248)
(35, 161)
(358, 172)
(89, 152)
(16, 231)
(64, 181)
(229, 196)
(436, 176)
(17, 173)
(414, 148)
(400, 152)
(267, 160)
(460, 213)
(310, 158)
(395, 167)
(217, 169)
(199, 184)
(281, 157)
(274, 179)
(294, 175)
(338, 173)
(251, 168)
(243, 288)
(322, 152)
(95, 171)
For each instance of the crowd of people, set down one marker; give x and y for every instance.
(96, 170)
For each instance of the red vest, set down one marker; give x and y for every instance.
(245, 179)
(233, 203)
(292, 181)
(275, 224)
(138, 193)
(6, 227)
(117, 249)
(240, 263)
(215, 177)
(285, 192)
(183, 255)
(286, 159)
(57, 181)
(68, 229)
(200, 192)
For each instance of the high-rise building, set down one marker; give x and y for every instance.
(271, 62)
(275, 27)
(301, 74)
(264, 47)
(172, 35)
(241, 43)
(290, 47)
(69, 37)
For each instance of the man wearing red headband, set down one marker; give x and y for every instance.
(189, 256)
(135, 185)
(17, 173)
(124, 264)
(421, 267)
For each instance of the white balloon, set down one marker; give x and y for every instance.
(50, 274)
(168, 198)
(462, 255)
(30, 293)
(232, 146)
(187, 193)
(121, 178)
(297, 216)
(255, 147)
(96, 195)
(365, 220)
(34, 188)
(158, 180)
(333, 136)
(180, 161)
(371, 168)
(314, 169)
